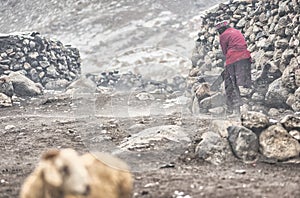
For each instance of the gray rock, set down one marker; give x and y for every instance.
(5, 101)
(277, 95)
(16, 67)
(258, 97)
(195, 60)
(288, 77)
(83, 85)
(255, 121)
(276, 143)
(33, 55)
(294, 100)
(218, 111)
(6, 86)
(57, 84)
(242, 22)
(277, 54)
(34, 75)
(282, 43)
(262, 42)
(23, 86)
(4, 67)
(136, 128)
(244, 143)
(52, 72)
(273, 112)
(282, 7)
(221, 126)
(290, 122)
(26, 66)
(212, 148)
(213, 101)
(145, 96)
(32, 44)
(44, 64)
(156, 135)
(295, 134)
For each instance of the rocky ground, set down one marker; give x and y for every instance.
(142, 37)
(32, 126)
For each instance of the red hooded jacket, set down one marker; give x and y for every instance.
(234, 46)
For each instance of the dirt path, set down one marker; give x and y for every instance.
(29, 130)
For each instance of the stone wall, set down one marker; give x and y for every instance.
(42, 60)
(271, 29)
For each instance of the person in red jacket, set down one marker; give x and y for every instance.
(237, 66)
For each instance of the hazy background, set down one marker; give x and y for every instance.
(104, 29)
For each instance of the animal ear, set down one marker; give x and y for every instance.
(52, 175)
(50, 171)
(50, 154)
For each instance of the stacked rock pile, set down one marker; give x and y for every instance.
(130, 82)
(278, 140)
(40, 59)
(258, 138)
(271, 29)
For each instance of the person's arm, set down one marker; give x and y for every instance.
(224, 44)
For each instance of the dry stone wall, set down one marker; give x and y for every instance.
(271, 29)
(40, 59)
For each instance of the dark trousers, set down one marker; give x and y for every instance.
(236, 74)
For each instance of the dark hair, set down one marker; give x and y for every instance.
(222, 29)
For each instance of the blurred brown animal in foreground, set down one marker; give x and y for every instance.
(65, 174)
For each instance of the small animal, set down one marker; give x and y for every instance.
(203, 91)
(66, 174)
(59, 173)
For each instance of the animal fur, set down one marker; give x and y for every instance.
(65, 174)
(203, 91)
(110, 177)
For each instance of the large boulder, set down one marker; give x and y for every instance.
(243, 142)
(277, 94)
(212, 148)
(23, 86)
(220, 126)
(164, 136)
(255, 121)
(276, 143)
(213, 101)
